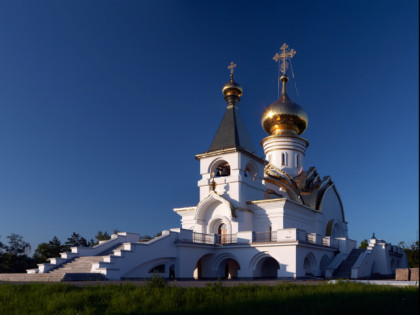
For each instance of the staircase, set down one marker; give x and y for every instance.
(78, 270)
(344, 269)
(75, 270)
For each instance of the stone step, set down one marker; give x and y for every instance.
(50, 278)
(82, 265)
(16, 277)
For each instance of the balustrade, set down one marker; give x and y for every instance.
(203, 238)
(265, 237)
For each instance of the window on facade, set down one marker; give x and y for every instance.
(297, 160)
(283, 159)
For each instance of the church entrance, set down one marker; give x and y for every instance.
(230, 268)
(269, 268)
(309, 265)
(202, 268)
(222, 232)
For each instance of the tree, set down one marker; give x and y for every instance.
(13, 257)
(2, 248)
(48, 250)
(17, 246)
(412, 252)
(75, 240)
(102, 236)
(364, 244)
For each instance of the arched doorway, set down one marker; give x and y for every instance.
(222, 233)
(269, 268)
(228, 269)
(309, 265)
(202, 268)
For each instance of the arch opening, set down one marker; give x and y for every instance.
(221, 169)
(269, 268)
(202, 268)
(309, 264)
(228, 269)
(251, 171)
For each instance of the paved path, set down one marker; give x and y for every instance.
(231, 283)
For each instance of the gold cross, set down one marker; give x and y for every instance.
(231, 67)
(283, 55)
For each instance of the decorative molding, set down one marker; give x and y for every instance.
(282, 179)
(215, 196)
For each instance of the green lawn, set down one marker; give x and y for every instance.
(341, 298)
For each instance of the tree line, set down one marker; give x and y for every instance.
(15, 252)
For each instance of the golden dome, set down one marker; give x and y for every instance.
(232, 88)
(284, 116)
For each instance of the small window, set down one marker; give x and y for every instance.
(297, 160)
(283, 159)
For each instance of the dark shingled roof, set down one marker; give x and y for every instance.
(232, 133)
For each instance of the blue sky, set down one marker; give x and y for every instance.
(104, 104)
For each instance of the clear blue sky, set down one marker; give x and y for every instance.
(104, 104)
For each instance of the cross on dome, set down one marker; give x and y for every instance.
(231, 67)
(283, 56)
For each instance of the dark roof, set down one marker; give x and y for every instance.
(232, 133)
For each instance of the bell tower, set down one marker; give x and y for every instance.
(230, 167)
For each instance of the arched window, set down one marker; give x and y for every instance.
(283, 159)
(251, 171)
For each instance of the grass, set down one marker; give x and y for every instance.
(341, 298)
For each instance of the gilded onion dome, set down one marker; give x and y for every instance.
(284, 116)
(232, 88)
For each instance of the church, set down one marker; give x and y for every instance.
(257, 217)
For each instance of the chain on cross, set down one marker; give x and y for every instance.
(282, 57)
(231, 67)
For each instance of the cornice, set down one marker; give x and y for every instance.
(227, 151)
(184, 209)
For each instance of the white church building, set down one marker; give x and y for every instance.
(257, 217)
